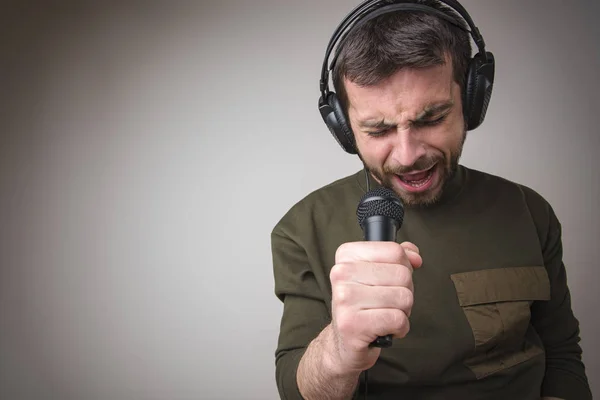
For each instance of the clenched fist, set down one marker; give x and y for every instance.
(372, 296)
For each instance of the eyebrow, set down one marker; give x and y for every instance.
(375, 124)
(433, 110)
(427, 113)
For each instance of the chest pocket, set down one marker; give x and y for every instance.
(497, 305)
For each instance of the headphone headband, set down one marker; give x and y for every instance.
(370, 9)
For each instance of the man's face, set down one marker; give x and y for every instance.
(409, 130)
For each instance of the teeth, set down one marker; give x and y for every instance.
(419, 183)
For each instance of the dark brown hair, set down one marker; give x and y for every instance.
(385, 44)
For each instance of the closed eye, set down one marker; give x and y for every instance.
(379, 132)
(419, 123)
(433, 122)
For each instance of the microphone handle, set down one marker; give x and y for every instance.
(381, 229)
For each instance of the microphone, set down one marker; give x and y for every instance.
(380, 214)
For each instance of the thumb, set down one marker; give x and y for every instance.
(412, 252)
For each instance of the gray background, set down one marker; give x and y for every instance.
(147, 150)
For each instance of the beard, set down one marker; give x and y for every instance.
(446, 166)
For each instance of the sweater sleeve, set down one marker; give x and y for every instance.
(556, 324)
(305, 313)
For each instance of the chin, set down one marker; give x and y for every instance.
(424, 199)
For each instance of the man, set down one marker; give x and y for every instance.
(474, 289)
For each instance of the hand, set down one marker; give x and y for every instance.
(372, 296)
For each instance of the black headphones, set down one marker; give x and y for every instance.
(478, 84)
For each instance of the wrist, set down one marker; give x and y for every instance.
(331, 361)
(321, 374)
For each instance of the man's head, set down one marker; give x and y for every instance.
(400, 78)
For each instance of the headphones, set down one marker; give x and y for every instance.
(478, 83)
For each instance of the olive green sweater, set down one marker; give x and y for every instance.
(492, 317)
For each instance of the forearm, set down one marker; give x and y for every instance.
(318, 378)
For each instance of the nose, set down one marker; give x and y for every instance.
(408, 147)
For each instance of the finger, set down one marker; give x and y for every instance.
(373, 274)
(377, 252)
(410, 246)
(415, 259)
(413, 254)
(384, 322)
(361, 297)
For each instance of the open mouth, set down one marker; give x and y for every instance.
(418, 181)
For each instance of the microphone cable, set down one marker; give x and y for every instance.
(367, 177)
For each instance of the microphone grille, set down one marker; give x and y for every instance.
(380, 201)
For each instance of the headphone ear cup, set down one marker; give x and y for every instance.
(478, 89)
(343, 125)
(335, 119)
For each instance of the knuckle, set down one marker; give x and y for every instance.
(337, 273)
(400, 321)
(408, 299)
(403, 276)
(398, 252)
(343, 252)
(344, 322)
(342, 294)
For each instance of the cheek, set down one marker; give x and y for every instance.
(374, 151)
(442, 140)
(448, 138)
